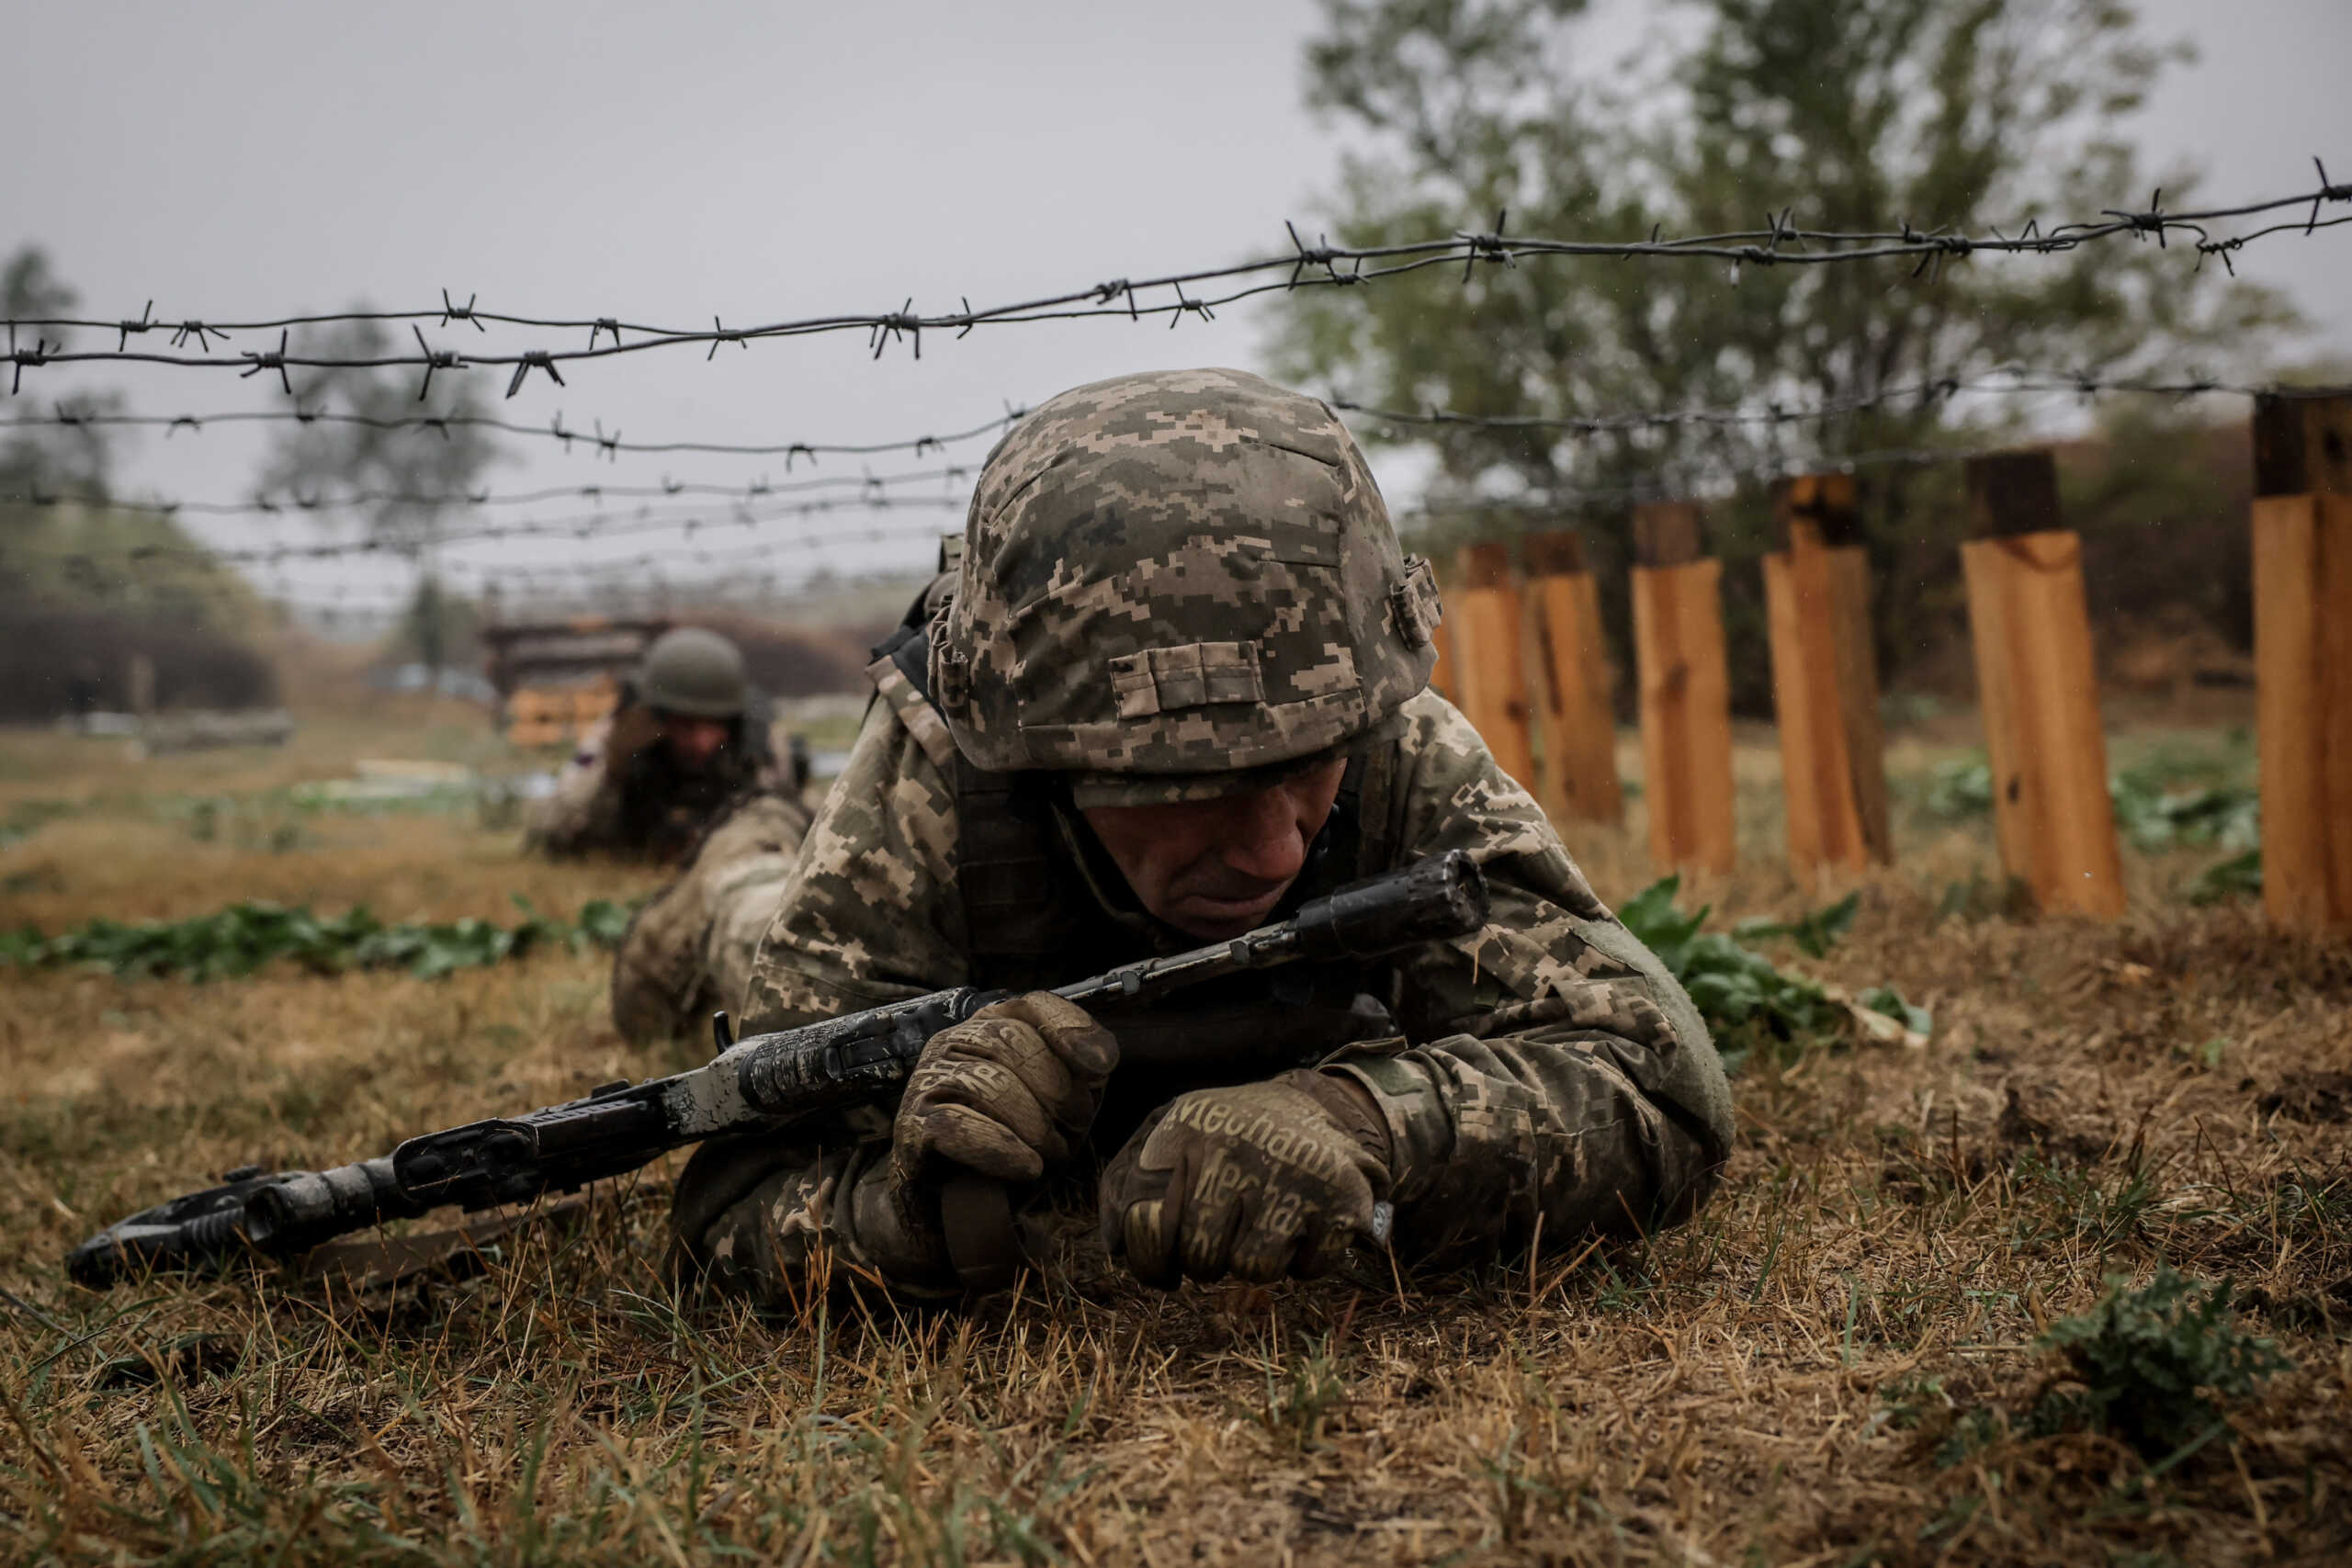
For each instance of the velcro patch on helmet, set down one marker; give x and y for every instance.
(1415, 603)
(1196, 674)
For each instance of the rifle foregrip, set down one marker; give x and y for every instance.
(841, 1061)
(310, 1206)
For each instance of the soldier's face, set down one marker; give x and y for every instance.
(1216, 868)
(693, 742)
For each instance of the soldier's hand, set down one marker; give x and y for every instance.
(1259, 1180)
(1008, 1093)
(633, 729)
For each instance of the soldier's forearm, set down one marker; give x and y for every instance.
(1500, 1143)
(817, 1215)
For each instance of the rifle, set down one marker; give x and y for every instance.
(766, 1082)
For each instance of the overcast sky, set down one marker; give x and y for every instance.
(760, 162)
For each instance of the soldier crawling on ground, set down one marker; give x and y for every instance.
(688, 739)
(1176, 687)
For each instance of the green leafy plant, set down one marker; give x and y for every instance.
(2172, 799)
(2240, 876)
(242, 938)
(2153, 815)
(1748, 1002)
(1956, 791)
(1889, 1001)
(2153, 1365)
(1815, 931)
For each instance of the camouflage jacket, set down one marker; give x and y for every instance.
(1541, 1078)
(688, 950)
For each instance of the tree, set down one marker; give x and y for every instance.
(417, 478)
(87, 588)
(69, 460)
(1846, 114)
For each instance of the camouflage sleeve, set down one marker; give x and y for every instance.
(869, 914)
(777, 1221)
(584, 810)
(1555, 1078)
(688, 950)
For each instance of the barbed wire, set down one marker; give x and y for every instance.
(80, 571)
(595, 527)
(388, 599)
(595, 438)
(455, 573)
(1922, 395)
(867, 484)
(1321, 265)
(1925, 392)
(1698, 485)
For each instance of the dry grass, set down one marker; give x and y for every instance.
(1787, 1378)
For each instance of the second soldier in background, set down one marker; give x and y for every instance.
(688, 741)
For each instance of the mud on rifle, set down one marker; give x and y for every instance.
(765, 1081)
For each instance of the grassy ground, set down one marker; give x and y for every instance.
(1835, 1363)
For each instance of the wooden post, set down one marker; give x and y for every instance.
(1576, 714)
(1825, 679)
(142, 685)
(1492, 673)
(2302, 654)
(1685, 689)
(2038, 688)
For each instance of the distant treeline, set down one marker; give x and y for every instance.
(76, 620)
(59, 658)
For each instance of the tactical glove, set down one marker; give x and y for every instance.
(1259, 1180)
(1008, 1093)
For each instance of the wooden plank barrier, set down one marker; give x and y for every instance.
(1825, 679)
(1492, 671)
(1575, 715)
(1685, 689)
(593, 702)
(2303, 653)
(2038, 688)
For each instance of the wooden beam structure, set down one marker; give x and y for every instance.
(1685, 689)
(1825, 679)
(1492, 670)
(2038, 688)
(2302, 651)
(1575, 718)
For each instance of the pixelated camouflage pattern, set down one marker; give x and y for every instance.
(1260, 1180)
(798, 1212)
(1185, 573)
(1551, 1078)
(1010, 1092)
(688, 951)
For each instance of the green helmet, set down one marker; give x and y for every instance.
(1174, 578)
(694, 672)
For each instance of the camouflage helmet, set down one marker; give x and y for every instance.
(1172, 579)
(693, 671)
